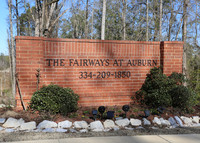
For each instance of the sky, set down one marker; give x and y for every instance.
(3, 27)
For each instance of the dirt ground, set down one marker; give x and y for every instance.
(85, 113)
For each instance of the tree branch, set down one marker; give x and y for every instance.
(54, 1)
(49, 29)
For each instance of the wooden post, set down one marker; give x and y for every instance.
(19, 90)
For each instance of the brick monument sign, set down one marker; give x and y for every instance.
(101, 72)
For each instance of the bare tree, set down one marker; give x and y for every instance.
(196, 22)
(160, 23)
(124, 18)
(12, 47)
(147, 20)
(92, 27)
(103, 21)
(184, 36)
(43, 16)
(17, 16)
(156, 18)
(86, 19)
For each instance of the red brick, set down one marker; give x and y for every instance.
(32, 52)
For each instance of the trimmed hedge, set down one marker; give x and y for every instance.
(54, 99)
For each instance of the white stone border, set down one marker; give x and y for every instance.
(15, 125)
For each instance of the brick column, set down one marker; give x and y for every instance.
(171, 55)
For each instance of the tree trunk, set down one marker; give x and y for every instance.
(12, 47)
(10, 55)
(184, 36)
(196, 30)
(42, 18)
(17, 17)
(92, 23)
(170, 20)
(124, 19)
(103, 21)
(86, 20)
(37, 17)
(178, 30)
(156, 17)
(160, 23)
(147, 20)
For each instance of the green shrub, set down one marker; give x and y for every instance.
(54, 99)
(160, 90)
(183, 97)
(177, 78)
(154, 91)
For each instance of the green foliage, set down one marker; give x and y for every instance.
(86, 112)
(154, 111)
(160, 90)
(54, 99)
(194, 73)
(183, 97)
(154, 91)
(73, 115)
(177, 78)
(26, 23)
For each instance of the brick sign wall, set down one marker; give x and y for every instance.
(101, 72)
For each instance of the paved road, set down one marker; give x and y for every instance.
(184, 138)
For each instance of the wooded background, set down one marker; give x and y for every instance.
(137, 20)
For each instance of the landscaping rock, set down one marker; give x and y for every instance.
(173, 122)
(187, 121)
(156, 121)
(2, 120)
(28, 126)
(80, 124)
(136, 122)
(116, 128)
(164, 122)
(83, 131)
(9, 130)
(96, 126)
(119, 118)
(106, 130)
(178, 120)
(1, 128)
(98, 130)
(109, 124)
(123, 122)
(146, 122)
(49, 130)
(60, 130)
(196, 125)
(21, 121)
(13, 123)
(64, 124)
(140, 127)
(127, 128)
(37, 130)
(195, 119)
(155, 128)
(47, 124)
(73, 131)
